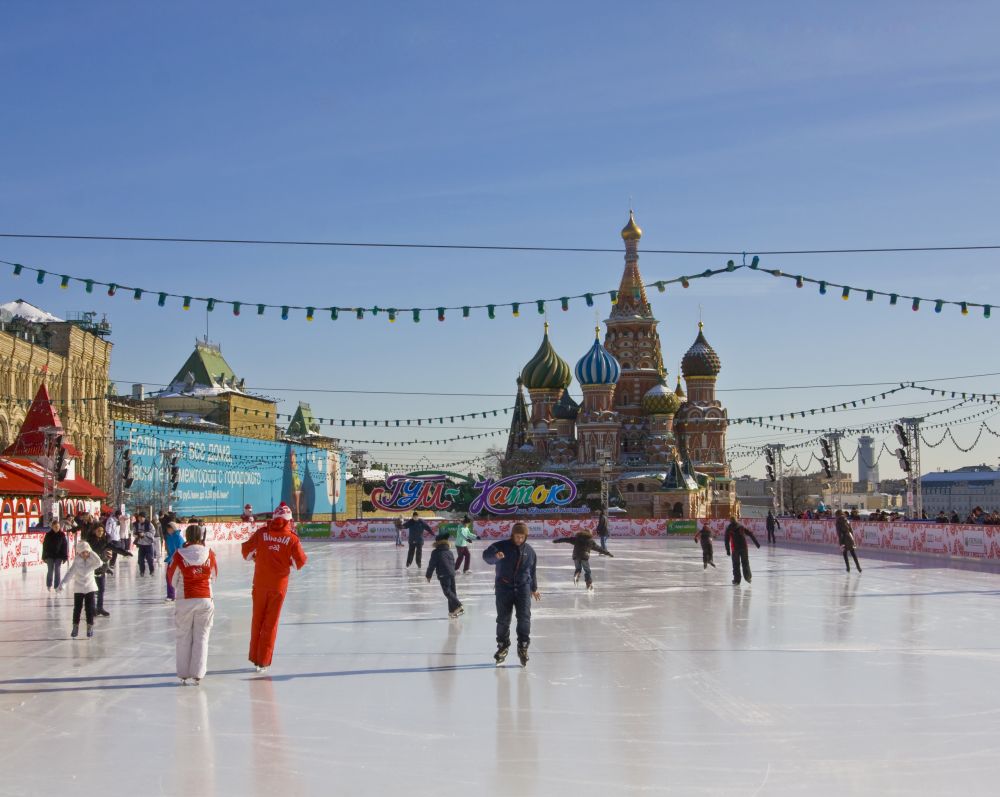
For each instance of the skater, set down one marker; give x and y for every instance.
(398, 526)
(247, 516)
(845, 536)
(416, 529)
(175, 541)
(583, 543)
(515, 585)
(442, 562)
(772, 524)
(191, 571)
(737, 548)
(100, 546)
(602, 529)
(704, 536)
(274, 549)
(145, 540)
(463, 537)
(55, 553)
(113, 528)
(81, 580)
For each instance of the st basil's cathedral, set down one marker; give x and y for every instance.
(664, 450)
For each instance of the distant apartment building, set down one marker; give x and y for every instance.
(961, 490)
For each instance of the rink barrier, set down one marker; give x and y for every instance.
(932, 539)
(945, 540)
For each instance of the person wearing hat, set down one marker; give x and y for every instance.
(273, 548)
(442, 562)
(174, 541)
(55, 553)
(81, 580)
(583, 543)
(515, 585)
(145, 538)
(247, 516)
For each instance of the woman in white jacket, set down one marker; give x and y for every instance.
(80, 580)
(191, 571)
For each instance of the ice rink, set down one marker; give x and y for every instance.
(666, 679)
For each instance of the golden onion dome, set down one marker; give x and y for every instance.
(546, 370)
(631, 231)
(680, 391)
(660, 400)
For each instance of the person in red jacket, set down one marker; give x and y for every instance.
(274, 548)
(191, 571)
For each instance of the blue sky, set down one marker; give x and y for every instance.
(777, 126)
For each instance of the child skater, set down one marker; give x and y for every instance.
(704, 536)
(442, 562)
(190, 573)
(175, 541)
(81, 581)
(583, 543)
(845, 536)
(274, 548)
(463, 537)
(515, 585)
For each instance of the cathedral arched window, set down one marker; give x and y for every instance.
(630, 488)
(640, 488)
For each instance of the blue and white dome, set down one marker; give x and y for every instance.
(598, 366)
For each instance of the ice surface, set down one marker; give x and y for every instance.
(666, 679)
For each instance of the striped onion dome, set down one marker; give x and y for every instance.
(598, 366)
(660, 400)
(546, 370)
(701, 359)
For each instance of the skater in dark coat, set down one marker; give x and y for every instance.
(416, 529)
(704, 537)
(55, 553)
(442, 562)
(602, 529)
(515, 585)
(738, 549)
(97, 538)
(583, 543)
(772, 524)
(845, 536)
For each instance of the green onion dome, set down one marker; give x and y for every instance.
(546, 370)
(660, 400)
(701, 359)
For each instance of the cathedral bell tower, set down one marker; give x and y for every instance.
(632, 337)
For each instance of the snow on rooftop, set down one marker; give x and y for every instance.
(22, 309)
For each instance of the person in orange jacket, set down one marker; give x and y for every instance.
(274, 548)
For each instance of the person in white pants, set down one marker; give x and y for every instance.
(191, 571)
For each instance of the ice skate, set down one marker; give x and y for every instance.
(501, 654)
(184, 681)
(76, 631)
(260, 668)
(90, 631)
(590, 587)
(522, 654)
(712, 564)
(457, 612)
(196, 681)
(576, 578)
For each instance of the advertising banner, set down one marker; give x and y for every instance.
(682, 527)
(218, 474)
(521, 494)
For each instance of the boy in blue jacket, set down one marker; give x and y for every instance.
(515, 585)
